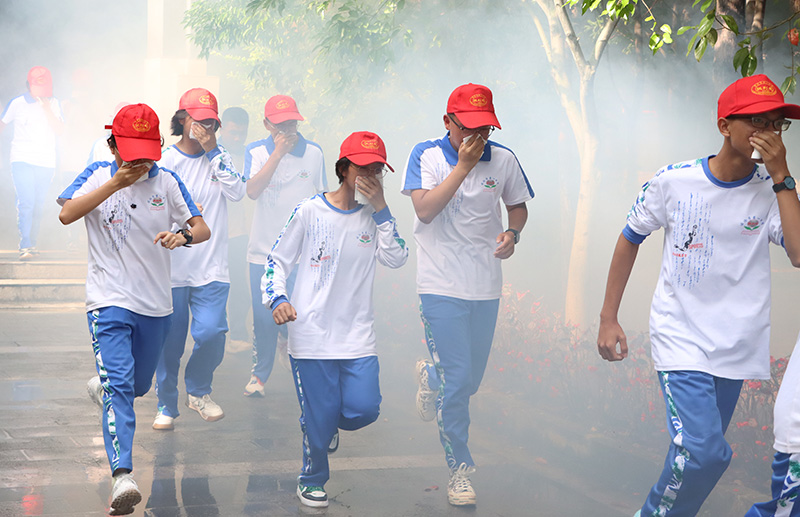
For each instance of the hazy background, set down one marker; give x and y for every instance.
(99, 55)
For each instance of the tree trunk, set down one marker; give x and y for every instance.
(723, 72)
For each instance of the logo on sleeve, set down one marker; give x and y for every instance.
(156, 202)
(365, 239)
(752, 225)
(489, 184)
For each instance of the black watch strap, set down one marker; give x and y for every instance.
(516, 234)
(788, 183)
(186, 235)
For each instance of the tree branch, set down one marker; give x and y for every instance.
(602, 40)
(572, 39)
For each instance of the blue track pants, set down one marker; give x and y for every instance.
(265, 331)
(126, 349)
(785, 489)
(699, 409)
(333, 393)
(209, 325)
(31, 184)
(459, 336)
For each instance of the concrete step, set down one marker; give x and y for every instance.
(20, 293)
(14, 269)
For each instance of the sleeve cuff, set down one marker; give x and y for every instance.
(382, 216)
(632, 236)
(277, 301)
(213, 153)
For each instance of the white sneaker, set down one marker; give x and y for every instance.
(124, 495)
(459, 489)
(426, 397)
(95, 389)
(163, 422)
(208, 409)
(638, 513)
(254, 388)
(313, 496)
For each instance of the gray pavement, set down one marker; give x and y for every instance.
(52, 460)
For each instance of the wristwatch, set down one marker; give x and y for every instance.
(788, 183)
(516, 234)
(186, 235)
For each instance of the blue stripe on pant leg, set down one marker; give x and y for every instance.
(447, 322)
(209, 326)
(170, 360)
(265, 331)
(111, 329)
(317, 385)
(785, 489)
(698, 406)
(361, 394)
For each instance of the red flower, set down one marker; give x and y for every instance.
(794, 37)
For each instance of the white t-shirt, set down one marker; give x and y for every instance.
(710, 310)
(455, 251)
(787, 407)
(34, 140)
(211, 179)
(299, 175)
(125, 268)
(337, 251)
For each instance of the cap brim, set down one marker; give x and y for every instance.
(473, 119)
(283, 117)
(131, 149)
(203, 114)
(364, 159)
(789, 110)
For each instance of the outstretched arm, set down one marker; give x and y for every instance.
(611, 332)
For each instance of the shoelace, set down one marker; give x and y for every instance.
(460, 481)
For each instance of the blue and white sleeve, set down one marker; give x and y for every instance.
(647, 213)
(391, 250)
(233, 183)
(282, 259)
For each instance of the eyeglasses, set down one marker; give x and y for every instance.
(376, 169)
(209, 123)
(763, 123)
(469, 130)
(288, 126)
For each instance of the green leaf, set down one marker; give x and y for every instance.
(789, 85)
(706, 5)
(706, 24)
(700, 49)
(686, 28)
(739, 57)
(712, 37)
(731, 23)
(749, 66)
(666, 29)
(691, 43)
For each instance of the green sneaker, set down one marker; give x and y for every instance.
(314, 496)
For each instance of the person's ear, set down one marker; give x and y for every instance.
(723, 125)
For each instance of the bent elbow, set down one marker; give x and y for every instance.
(795, 261)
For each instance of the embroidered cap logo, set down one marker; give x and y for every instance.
(206, 99)
(764, 88)
(282, 105)
(478, 100)
(141, 125)
(369, 144)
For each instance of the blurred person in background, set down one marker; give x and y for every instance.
(281, 170)
(457, 185)
(37, 119)
(233, 136)
(786, 465)
(128, 205)
(709, 320)
(200, 281)
(334, 241)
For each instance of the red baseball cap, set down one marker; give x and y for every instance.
(472, 104)
(200, 104)
(363, 148)
(753, 95)
(135, 130)
(280, 108)
(40, 82)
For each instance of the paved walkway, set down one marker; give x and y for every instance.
(52, 461)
